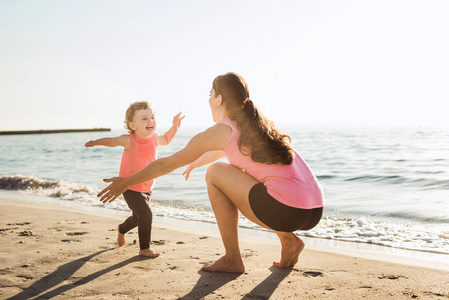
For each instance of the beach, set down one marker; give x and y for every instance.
(62, 253)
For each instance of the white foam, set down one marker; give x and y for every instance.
(362, 230)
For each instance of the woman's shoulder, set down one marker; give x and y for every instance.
(221, 129)
(228, 123)
(213, 138)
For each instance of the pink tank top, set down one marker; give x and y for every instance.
(139, 155)
(293, 185)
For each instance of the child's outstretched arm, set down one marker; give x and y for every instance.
(123, 140)
(207, 158)
(170, 134)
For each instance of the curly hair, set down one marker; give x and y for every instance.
(131, 110)
(259, 137)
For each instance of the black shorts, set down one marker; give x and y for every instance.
(281, 217)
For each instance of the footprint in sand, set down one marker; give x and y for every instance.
(249, 253)
(6, 271)
(70, 241)
(24, 277)
(74, 280)
(392, 277)
(76, 233)
(3, 231)
(26, 233)
(160, 242)
(312, 274)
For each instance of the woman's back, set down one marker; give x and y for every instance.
(293, 185)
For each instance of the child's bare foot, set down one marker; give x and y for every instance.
(292, 246)
(225, 265)
(149, 253)
(120, 237)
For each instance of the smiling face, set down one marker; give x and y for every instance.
(143, 123)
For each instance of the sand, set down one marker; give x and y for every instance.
(60, 253)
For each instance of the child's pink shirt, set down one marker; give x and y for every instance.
(138, 156)
(293, 185)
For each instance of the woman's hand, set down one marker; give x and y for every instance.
(189, 169)
(112, 191)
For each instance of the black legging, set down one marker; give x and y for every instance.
(281, 217)
(142, 216)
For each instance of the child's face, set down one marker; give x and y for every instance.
(144, 123)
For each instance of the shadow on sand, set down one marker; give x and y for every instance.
(266, 288)
(63, 273)
(210, 282)
(207, 284)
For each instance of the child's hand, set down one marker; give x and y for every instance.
(177, 120)
(189, 169)
(90, 144)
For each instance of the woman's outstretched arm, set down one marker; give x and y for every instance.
(214, 138)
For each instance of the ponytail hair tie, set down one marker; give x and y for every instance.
(246, 100)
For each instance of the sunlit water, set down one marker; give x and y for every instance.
(385, 187)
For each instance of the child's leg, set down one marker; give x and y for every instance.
(132, 221)
(145, 226)
(120, 238)
(142, 217)
(145, 221)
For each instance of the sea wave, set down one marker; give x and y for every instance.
(410, 236)
(83, 194)
(417, 181)
(393, 179)
(403, 236)
(45, 187)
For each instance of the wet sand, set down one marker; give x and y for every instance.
(60, 253)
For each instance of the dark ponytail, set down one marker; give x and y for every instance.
(259, 137)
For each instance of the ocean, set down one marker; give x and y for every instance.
(383, 187)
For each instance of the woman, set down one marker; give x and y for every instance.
(266, 180)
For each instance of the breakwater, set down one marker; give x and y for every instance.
(43, 131)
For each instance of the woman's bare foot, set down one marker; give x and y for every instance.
(149, 253)
(120, 237)
(225, 265)
(292, 246)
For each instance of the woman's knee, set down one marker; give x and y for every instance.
(214, 169)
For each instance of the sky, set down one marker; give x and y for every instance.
(79, 64)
